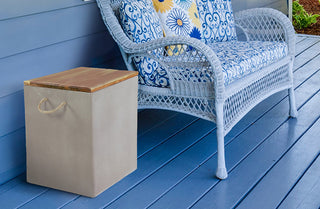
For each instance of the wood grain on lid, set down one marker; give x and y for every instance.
(82, 79)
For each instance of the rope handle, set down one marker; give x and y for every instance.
(49, 111)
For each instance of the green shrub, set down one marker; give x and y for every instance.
(301, 19)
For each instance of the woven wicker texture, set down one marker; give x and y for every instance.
(197, 85)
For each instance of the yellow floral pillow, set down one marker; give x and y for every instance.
(179, 18)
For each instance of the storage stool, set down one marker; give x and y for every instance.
(81, 129)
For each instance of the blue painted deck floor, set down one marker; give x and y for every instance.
(273, 161)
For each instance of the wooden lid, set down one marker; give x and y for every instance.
(82, 79)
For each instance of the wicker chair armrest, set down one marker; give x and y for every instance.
(185, 60)
(266, 24)
(135, 48)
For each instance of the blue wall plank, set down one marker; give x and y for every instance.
(12, 106)
(17, 8)
(34, 31)
(84, 51)
(14, 8)
(12, 155)
(11, 112)
(40, 38)
(239, 5)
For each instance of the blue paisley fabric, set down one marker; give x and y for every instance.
(239, 59)
(141, 24)
(217, 20)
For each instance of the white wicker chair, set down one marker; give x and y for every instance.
(211, 98)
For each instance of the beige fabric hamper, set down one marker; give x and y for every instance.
(81, 129)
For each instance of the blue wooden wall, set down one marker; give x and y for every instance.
(281, 5)
(38, 38)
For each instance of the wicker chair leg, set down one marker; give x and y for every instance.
(292, 102)
(221, 170)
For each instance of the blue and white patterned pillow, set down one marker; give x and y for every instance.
(217, 20)
(141, 24)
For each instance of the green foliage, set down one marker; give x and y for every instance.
(301, 19)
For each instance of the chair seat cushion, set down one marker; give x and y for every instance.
(239, 58)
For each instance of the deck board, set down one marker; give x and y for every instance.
(306, 71)
(246, 119)
(152, 119)
(134, 193)
(312, 200)
(307, 55)
(305, 44)
(177, 157)
(254, 166)
(161, 181)
(150, 164)
(146, 166)
(163, 131)
(20, 194)
(285, 173)
(305, 194)
(10, 184)
(300, 38)
(257, 131)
